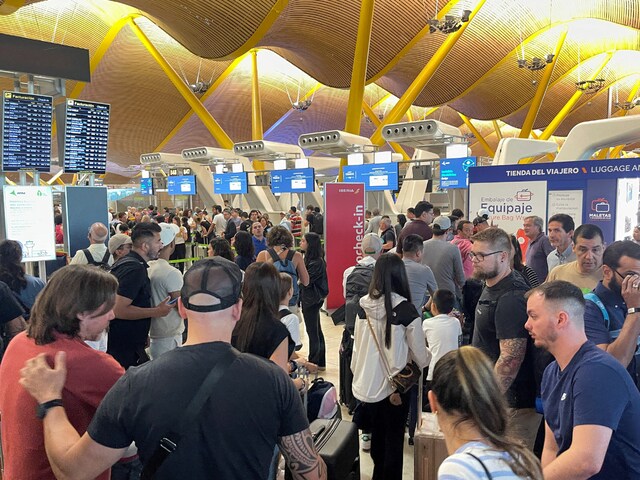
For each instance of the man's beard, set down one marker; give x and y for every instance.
(615, 286)
(486, 275)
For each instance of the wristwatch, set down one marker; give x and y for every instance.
(43, 408)
(633, 310)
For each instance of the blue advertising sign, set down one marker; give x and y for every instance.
(298, 180)
(146, 186)
(181, 185)
(375, 176)
(454, 172)
(229, 183)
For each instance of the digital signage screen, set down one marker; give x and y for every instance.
(299, 180)
(375, 176)
(181, 185)
(26, 132)
(146, 186)
(83, 140)
(454, 172)
(229, 183)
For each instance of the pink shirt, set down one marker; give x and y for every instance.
(464, 245)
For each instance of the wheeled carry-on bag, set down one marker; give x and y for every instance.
(430, 449)
(337, 442)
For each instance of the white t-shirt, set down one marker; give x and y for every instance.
(164, 279)
(443, 334)
(221, 224)
(462, 466)
(97, 251)
(292, 322)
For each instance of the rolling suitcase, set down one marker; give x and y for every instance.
(430, 449)
(337, 443)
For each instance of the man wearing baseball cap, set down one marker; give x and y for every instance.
(165, 332)
(236, 429)
(119, 246)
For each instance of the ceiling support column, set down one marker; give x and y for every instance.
(477, 134)
(256, 106)
(536, 102)
(564, 111)
(199, 109)
(376, 121)
(413, 90)
(358, 74)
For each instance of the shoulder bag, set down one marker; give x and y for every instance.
(405, 378)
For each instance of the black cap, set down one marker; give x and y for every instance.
(214, 277)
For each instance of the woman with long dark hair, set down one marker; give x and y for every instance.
(472, 414)
(245, 251)
(25, 287)
(220, 247)
(180, 251)
(528, 273)
(312, 296)
(259, 330)
(388, 335)
(402, 220)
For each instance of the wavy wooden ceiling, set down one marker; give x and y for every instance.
(200, 38)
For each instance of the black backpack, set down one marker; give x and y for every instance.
(103, 264)
(356, 286)
(318, 223)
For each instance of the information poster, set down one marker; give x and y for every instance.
(509, 203)
(627, 208)
(568, 202)
(28, 219)
(344, 224)
(600, 206)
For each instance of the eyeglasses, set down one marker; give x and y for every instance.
(627, 274)
(479, 257)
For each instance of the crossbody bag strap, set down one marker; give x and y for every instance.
(169, 442)
(384, 359)
(484, 467)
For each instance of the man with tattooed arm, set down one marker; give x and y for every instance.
(254, 404)
(499, 330)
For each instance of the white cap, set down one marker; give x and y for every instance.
(168, 233)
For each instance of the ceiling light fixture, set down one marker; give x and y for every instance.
(301, 105)
(536, 63)
(199, 87)
(590, 86)
(628, 105)
(450, 24)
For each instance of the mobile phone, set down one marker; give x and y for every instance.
(173, 301)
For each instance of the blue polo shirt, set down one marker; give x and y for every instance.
(594, 389)
(258, 245)
(594, 324)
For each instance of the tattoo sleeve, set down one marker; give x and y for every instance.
(302, 458)
(512, 353)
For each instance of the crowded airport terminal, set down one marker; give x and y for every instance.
(319, 240)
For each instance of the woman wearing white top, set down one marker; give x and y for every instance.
(180, 252)
(396, 324)
(472, 414)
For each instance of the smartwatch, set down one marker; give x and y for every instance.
(633, 310)
(43, 408)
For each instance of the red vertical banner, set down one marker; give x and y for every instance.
(343, 233)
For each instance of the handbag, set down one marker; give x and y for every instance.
(171, 440)
(405, 378)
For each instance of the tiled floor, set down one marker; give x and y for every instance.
(333, 336)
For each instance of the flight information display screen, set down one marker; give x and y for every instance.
(297, 180)
(230, 183)
(26, 132)
(146, 186)
(375, 176)
(454, 172)
(86, 134)
(181, 185)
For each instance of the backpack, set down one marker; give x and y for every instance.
(287, 266)
(318, 223)
(356, 286)
(103, 264)
(605, 315)
(322, 400)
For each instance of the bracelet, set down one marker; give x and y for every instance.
(633, 310)
(43, 408)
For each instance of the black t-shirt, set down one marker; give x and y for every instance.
(310, 218)
(500, 314)
(266, 338)
(387, 236)
(253, 405)
(11, 308)
(243, 262)
(133, 283)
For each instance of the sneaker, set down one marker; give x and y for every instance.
(365, 442)
(411, 441)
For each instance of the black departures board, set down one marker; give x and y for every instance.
(26, 132)
(86, 134)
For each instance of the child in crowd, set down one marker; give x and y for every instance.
(442, 331)
(290, 320)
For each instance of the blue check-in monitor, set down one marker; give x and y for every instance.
(230, 183)
(454, 172)
(298, 180)
(181, 185)
(375, 176)
(146, 186)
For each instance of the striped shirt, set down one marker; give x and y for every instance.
(462, 466)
